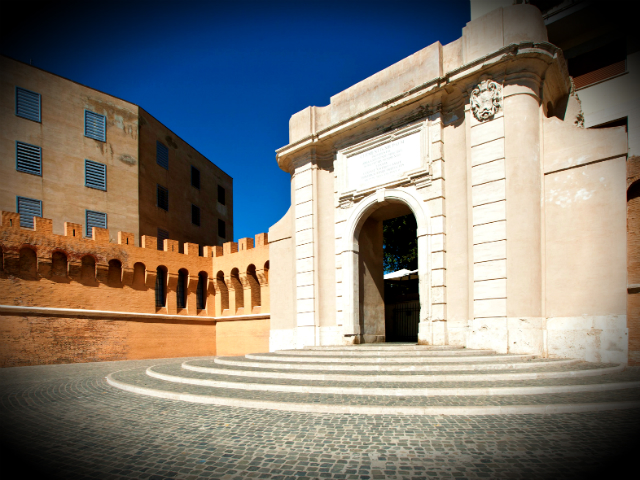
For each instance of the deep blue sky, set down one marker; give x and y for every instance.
(227, 76)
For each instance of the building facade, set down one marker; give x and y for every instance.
(521, 210)
(74, 154)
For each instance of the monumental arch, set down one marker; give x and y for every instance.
(521, 211)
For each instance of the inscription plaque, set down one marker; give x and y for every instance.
(384, 163)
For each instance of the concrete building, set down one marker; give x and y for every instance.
(521, 210)
(73, 154)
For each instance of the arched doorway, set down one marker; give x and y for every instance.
(362, 264)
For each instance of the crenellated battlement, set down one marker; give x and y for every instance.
(228, 280)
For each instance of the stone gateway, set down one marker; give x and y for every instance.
(520, 212)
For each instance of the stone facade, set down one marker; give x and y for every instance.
(66, 298)
(521, 214)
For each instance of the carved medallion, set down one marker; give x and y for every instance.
(486, 100)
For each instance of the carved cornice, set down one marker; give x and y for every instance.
(545, 51)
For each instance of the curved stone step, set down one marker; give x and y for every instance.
(495, 364)
(174, 373)
(137, 381)
(268, 357)
(360, 352)
(384, 347)
(571, 370)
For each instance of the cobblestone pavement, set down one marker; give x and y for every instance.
(65, 421)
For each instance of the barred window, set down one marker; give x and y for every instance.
(160, 287)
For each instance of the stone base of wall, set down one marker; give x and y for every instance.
(41, 340)
(242, 337)
(591, 338)
(288, 338)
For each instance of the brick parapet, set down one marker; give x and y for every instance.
(133, 290)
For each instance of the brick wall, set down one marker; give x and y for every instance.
(42, 269)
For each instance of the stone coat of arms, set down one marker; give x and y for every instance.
(486, 100)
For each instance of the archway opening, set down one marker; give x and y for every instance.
(388, 290)
(401, 281)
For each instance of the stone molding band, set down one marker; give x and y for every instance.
(134, 316)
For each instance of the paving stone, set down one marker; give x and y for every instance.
(65, 421)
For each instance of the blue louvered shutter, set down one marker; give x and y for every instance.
(27, 104)
(28, 208)
(28, 158)
(95, 175)
(162, 155)
(162, 235)
(95, 219)
(95, 126)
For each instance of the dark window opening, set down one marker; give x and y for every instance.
(195, 215)
(200, 291)
(195, 177)
(222, 195)
(163, 198)
(222, 229)
(160, 287)
(181, 297)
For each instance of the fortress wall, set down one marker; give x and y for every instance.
(76, 293)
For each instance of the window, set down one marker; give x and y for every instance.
(222, 229)
(201, 297)
(181, 297)
(195, 215)
(160, 287)
(95, 126)
(28, 208)
(163, 198)
(162, 155)
(28, 158)
(28, 104)
(195, 177)
(162, 235)
(95, 175)
(95, 219)
(221, 195)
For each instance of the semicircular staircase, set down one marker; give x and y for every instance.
(397, 379)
